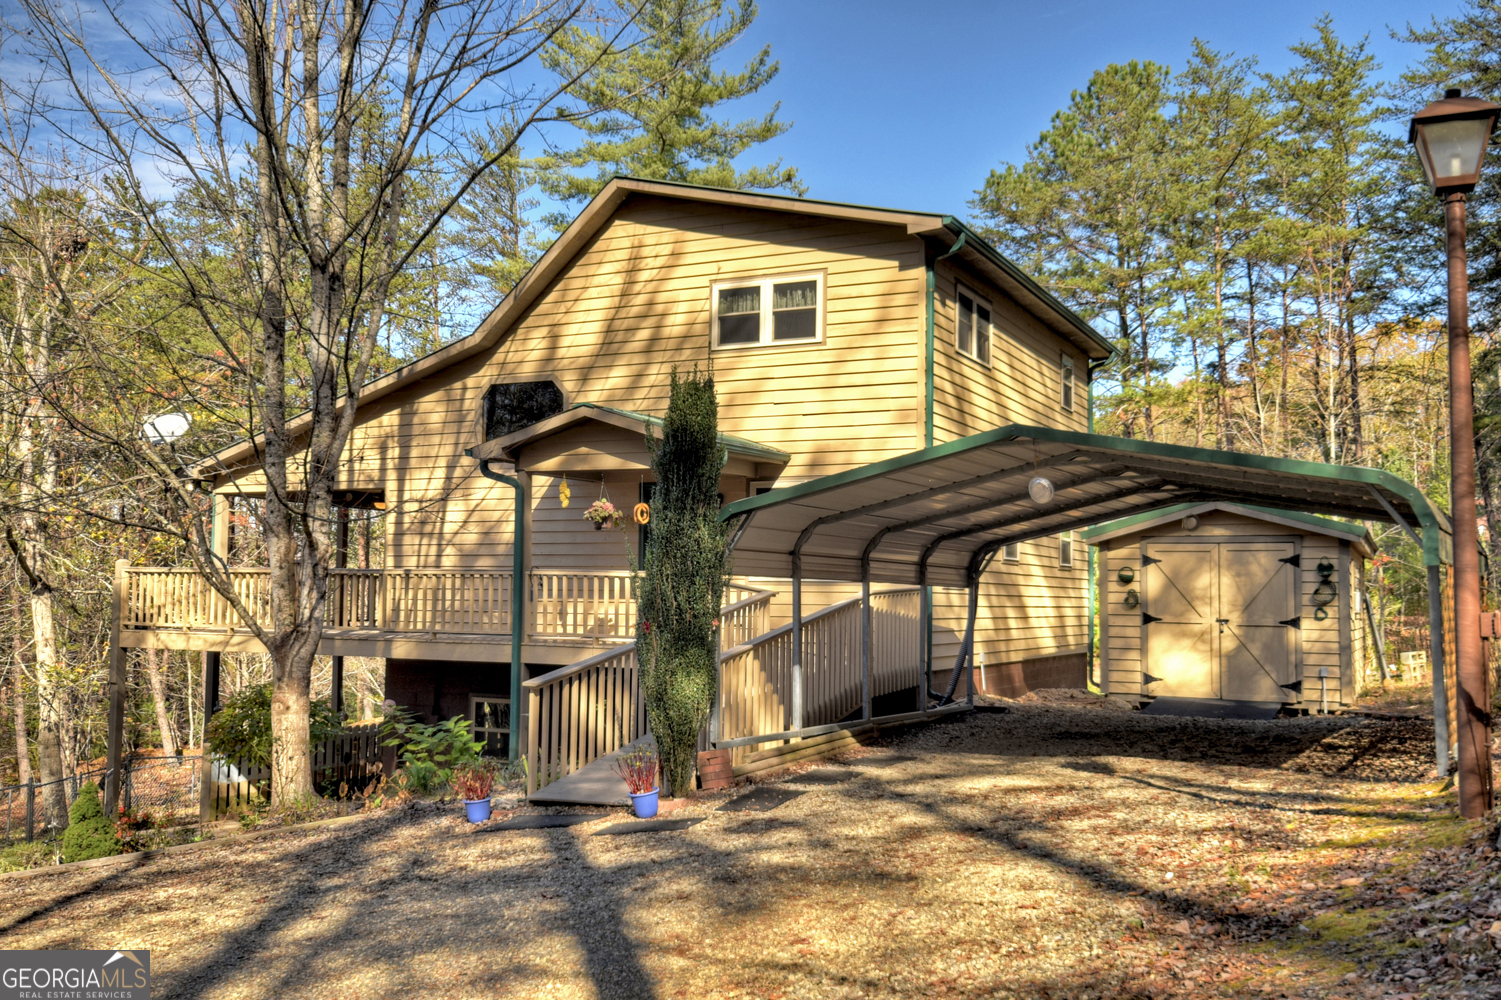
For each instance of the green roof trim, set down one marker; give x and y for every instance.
(743, 446)
(1325, 525)
(1427, 514)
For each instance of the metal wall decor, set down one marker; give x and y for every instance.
(1326, 568)
(1324, 593)
(642, 513)
(1132, 599)
(1320, 615)
(1125, 574)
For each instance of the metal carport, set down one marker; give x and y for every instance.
(935, 517)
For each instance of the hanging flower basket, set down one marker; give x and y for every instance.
(604, 514)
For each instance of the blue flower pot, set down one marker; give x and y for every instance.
(645, 803)
(478, 810)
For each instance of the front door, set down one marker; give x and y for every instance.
(1219, 619)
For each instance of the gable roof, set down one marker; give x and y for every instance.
(1357, 534)
(508, 448)
(966, 243)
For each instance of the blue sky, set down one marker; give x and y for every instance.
(910, 104)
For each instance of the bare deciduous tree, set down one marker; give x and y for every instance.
(291, 135)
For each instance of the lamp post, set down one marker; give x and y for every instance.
(1451, 136)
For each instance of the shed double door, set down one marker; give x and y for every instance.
(1219, 618)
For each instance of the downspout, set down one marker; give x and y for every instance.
(518, 606)
(930, 264)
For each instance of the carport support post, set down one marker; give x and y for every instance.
(1436, 668)
(865, 643)
(797, 643)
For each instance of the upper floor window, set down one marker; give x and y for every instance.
(1066, 376)
(778, 310)
(508, 408)
(974, 326)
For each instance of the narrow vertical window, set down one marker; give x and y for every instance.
(1066, 549)
(1012, 551)
(1066, 374)
(972, 332)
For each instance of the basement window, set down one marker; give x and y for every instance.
(974, 326)
(1012, 552)
(767, 311)
(509, 407)
(491, 718)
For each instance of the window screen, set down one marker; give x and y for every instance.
(740, 315)
(508, 408)
(794, 310)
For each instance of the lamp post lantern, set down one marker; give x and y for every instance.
(1451, 136)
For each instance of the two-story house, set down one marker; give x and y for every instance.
(837, 335)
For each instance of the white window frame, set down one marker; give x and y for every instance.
(1066, 549)
(1068, 385)
(765, 283)
(989, 361)
(1011, 552)
(479, 734)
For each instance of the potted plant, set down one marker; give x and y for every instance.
(638, 769)
(604, 514)
(473, 782)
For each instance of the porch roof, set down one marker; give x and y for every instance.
(509, 447)
(934, 516)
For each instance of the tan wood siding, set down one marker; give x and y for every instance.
(1022, 383)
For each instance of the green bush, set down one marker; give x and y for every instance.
(427, 755)
(90, 834)
(241, 730)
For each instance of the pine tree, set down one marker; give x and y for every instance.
(681, 589)
(1088, 212)
(658, 98)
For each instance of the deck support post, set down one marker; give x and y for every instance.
(336, 686)
(518, 606)
(924, 646)
(115, 730)
(865, 643)
(1436, 668)
(206, 804)
(797, 643)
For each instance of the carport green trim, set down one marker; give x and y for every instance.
(1427, 515)
(1324, 524)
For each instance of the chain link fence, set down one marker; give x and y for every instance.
(163, 787)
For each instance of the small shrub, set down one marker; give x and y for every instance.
(427, 755)
(90, 834)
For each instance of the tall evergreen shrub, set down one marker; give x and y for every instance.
(683, 578)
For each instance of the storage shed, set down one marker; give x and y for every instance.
(1228, 602)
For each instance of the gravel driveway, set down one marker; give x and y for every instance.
(1062, 849)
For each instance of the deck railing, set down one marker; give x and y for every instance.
(560, 604)
(755, 680)
(581, 712)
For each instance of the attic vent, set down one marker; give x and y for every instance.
(514, 405)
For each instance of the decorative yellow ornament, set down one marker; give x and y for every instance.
(643, 513)
(564, 493)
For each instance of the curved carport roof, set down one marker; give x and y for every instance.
(933, 516)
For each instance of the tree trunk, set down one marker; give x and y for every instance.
(159, 697)
(18, 707)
